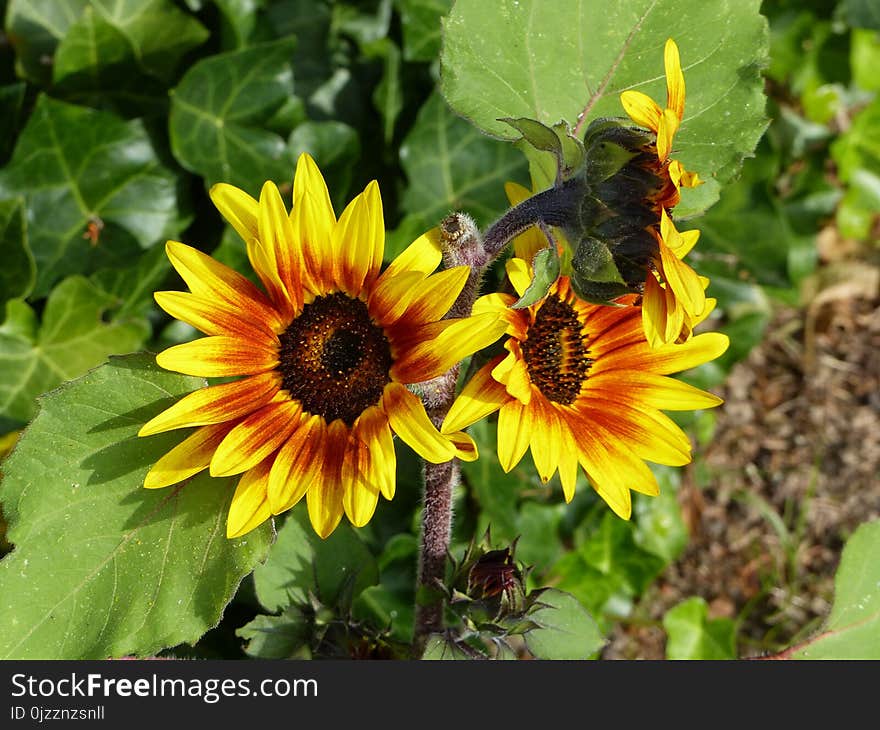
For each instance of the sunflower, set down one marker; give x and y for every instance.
(581, 385)
(321, 356)
(674, 299)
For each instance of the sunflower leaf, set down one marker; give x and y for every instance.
(220, 111)
(546, 265)
(852, 630)
(565, 629)
(94, 190)
(552, 61)
(143, 569)
(420, 20)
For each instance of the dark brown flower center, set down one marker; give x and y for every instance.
(556, 352)
(334, 359)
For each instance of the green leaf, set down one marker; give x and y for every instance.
(220, 110)
(421, 20)
(79, 168)
(277, 637)
(852, 630)
(34, 28)
(18, 271)
(75, 334)
(388, 94)
(692, 635)
(103, 567)
(451, 166)
(126, 51)
(859, 147)
(132, 287)
(440, 648)
(301, 563)
(565, 628)
(550, 60)
(546, 270)
(659, 527)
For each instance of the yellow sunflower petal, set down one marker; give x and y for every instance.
(666, 130)
(189, 457)
(516, 193)
(432, 297)
(514, 433)
(312, 229)
(674, 79)
(324, 499)
(215, 404)
(212, 317)
(480, 397)
(546, 439)
(422, 255)
(280, 271)
(444, 344)
(514, 373)
(568, 462)
(218, 356)
(520, 274)
(360, 494)
(308, 177)
(209, 279)
(408, 419)
(657, 391)
(237, 207)
(255, 438)
(465, 446)
(249, 508)
(642, 109)
(298, 464)
(373, 430)
(681, 177)
(667, 359)
(654, 312)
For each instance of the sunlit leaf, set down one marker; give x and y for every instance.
(693, 635)
(555, 61)
(565, 629)
(103, 567)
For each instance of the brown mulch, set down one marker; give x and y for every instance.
(794, 468)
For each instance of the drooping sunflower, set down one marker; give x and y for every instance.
(674, 301)
(322, 357)
(581, 386)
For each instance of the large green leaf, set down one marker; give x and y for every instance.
(72, 337)
(693, 635)
(101, 566)
(11, 101)
(451, 166)
(17, 272)
(220, 112)
(82, 170)
(552, 60)
(852, 630)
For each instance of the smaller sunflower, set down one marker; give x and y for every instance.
(581, 386)
(645, 112)
(322, 356)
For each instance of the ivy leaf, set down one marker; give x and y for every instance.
(72, 337)
(420, 20)
(861, 13)
(550, 60)
(219, 114)
(565, 629)
(286, 636)
(451, 166)
(301, 563)
(127, 51)
(388, 94)
(103, 567)
(35, 28)
(94, 188)
(132, 287)
(852, 630)
(693, 635)
(17, 272)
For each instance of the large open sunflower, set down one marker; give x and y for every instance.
(581, 385)
(322, 356)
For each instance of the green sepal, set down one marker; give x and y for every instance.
(595, 277)
(546, 266)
